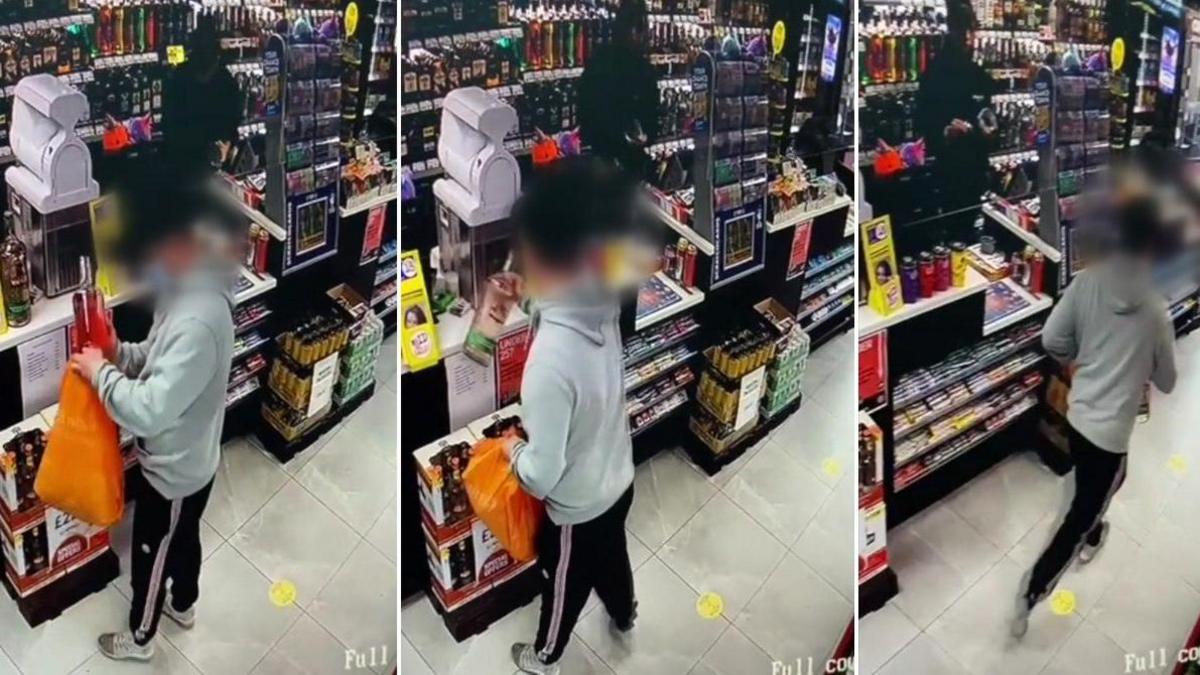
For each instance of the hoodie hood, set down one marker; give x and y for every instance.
(1125, 283)
(213, 275)
(583, 310)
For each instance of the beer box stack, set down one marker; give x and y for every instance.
(40, 544)
(465, 558)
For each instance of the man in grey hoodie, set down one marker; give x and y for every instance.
(169, 391)
(579, 459)
(1112, 329)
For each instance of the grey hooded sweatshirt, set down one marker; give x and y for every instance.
(1112, 325)
(169, 390)
(579, 458)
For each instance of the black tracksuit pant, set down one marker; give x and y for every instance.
(1098, 475)
(166, 545)
(575, 559)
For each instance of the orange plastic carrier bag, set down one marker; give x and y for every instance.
(512, 514)
(82, 472)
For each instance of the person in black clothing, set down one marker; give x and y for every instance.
(202, 106)
(618, 93)
(953, 93)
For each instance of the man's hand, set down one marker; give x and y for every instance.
(957, 127)
(110, 354)
(88, 362)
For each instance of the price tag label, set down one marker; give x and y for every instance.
(176, 54)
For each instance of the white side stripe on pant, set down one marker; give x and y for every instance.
(160, 563)
(560, 590)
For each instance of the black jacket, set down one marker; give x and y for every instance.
(955, 87)
(197, 114)
(618, 86)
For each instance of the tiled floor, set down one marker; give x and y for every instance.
(772, 534)
(960, 563)
(325, 522)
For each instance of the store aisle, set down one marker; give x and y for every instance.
(960, 563)
(326, 522)
(771, 534)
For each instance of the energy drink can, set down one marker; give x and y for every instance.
(910, 282)
(958, 264)
(941, 268)
(927, 274)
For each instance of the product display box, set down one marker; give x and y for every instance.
(47, 551)
(443, 498)
(472, 557)
(21, 448)
(495, 424)
(872, 534)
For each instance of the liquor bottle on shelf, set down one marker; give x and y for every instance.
(15, 282)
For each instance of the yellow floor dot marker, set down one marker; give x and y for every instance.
(1177, 464)
(832, 467)
(282, 593)
(710, 605)
(1062, 602)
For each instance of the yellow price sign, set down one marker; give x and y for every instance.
(710, 605)
(1118, 54)
(176, 54)
(282, 593)
(351, 19)
(1062, 602)
(778, 37)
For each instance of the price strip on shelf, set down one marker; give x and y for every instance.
(418, 332)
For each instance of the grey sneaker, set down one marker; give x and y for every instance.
(528, 661)
(122, 647)
(1089, 551)
(185, 619)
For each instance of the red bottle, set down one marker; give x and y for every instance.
(928, 274)
(91, 316)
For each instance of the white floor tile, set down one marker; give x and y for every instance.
(411, 662)
(236, 623)
(1148, 606)
(246, 479)
(976, 629)
(355, 485)
(827, 544)
(382, 534)
(359, 604)
(59, 646)
(667, 491)
(883, 633)
(814, 435)
(308, 649)
(296, 538)
(796, 614)
(1088, 651)
(294, 465)
(733, 654)
(670, 636)
(928, 583)
(1006, 502)
(7, 667)
(923, 655)
(778, 492)
(722, 550)
(374, 426)
(955, 541)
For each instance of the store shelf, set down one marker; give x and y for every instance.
(1015, 414)
(939, 442)
(242, 328)
(1052, 254)
(982, 365)
(51, 314)
(683, 229)
(829, 300)
(832, 262)
(870, 321)
(386, 275)
(688, 298)
(369, 204)
(679, 403)
(257, 217)
(243, 395)
(936, 415)
(260, 284)
(824, 283)
(662, 396)
(643, 378)
(837, 312)
(794, 217)
(631, 360)
(250, 348)
(1037, 304)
